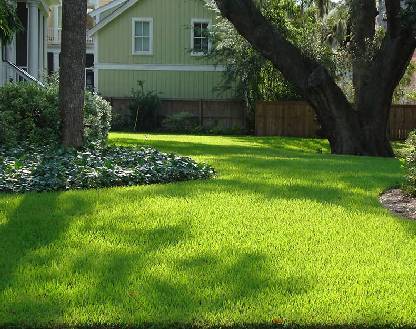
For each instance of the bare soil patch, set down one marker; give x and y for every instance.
(399, 203)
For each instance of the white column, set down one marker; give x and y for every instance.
(55, 25)
(56, 61)
(9, 53)
(45, 43)
(33, 39)
(41, 47)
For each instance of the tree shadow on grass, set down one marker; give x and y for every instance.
(133, 274)
(27, 240)
(130, 279)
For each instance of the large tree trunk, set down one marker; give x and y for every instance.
(72, 71)
(360, 129)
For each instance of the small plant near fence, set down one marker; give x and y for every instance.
(410, 182)
(182, 122)
(144, 107)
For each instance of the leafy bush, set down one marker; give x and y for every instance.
(410, 182)
(52, 169)
(144, 107)
(97, 119)
(182, 122)
(29, 114)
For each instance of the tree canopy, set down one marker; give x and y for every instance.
(9, 23)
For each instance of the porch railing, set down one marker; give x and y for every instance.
(18, 74)
(55, 36)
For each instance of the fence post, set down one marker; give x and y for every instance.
(201, 113)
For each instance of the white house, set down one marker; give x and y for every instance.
(34, 51)
(54, 38)
(25, 58)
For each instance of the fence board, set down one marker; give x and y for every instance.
(227, 114)
(297, 119)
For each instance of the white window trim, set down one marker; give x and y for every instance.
(200, 20)
(133, 31)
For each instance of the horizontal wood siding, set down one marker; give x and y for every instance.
(171, 33)
(297, 119)
(171, 46)
(176, 85)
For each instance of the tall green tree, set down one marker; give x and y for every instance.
(377, 65)
(9, 22)
(72, 71)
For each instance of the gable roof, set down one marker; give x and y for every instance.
(126, 5)
(111, 4)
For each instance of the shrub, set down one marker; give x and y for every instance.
(410, 182)
(51, 169)
(183, 122)
(144, 107)
(97, 120)
(29, 114)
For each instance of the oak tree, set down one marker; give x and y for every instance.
(360, 128)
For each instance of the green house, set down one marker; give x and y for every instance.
(161, 42)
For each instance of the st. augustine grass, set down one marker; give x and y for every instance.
(286, 232)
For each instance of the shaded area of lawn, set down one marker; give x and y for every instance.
(284, 232)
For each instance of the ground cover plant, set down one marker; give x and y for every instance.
(40, 169)
(286, 233)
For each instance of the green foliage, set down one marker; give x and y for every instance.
(257, 79)
(29, 114)
(411, 96)
(97, 118)
(187, 123)
(320, 29)
(9, 22)
(144, 107)
(403, 92)
(50, 169)
(183, 122)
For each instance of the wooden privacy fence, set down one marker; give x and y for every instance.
(226, 114)
(297, 119)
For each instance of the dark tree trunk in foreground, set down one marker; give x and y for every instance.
(72, 71)
(360, 129)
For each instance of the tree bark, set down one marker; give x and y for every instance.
(72, 71)
(359, 129)
(363, 13)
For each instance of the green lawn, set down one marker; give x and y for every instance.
(284, 232)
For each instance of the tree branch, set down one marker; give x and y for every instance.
(251, 24)
(393, 17)
(311, 78)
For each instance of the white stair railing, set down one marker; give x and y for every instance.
(18, 74)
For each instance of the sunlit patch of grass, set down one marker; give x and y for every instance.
(286, 231)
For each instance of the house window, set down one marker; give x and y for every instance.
(200, 42)
(142, 36)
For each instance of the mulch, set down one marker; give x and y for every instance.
(399, 203)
